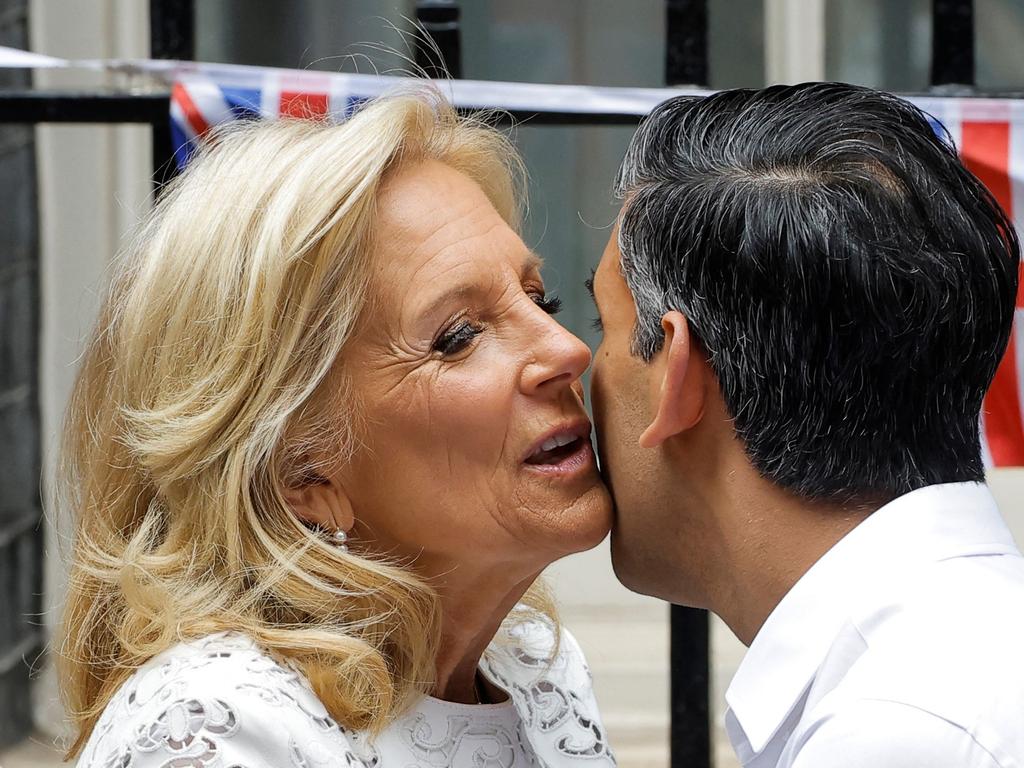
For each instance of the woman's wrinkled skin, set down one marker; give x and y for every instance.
(460, 370)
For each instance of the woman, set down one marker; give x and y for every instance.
(325, 438)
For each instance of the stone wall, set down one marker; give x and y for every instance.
(20, 509)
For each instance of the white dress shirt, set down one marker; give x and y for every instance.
(223, 702)
(902, 647)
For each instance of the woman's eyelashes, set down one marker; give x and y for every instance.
(550, 304)
(456, 338)
(460, 335)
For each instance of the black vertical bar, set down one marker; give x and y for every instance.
(165, 167)
(172, 35)
(952, 42)
(172, 29)
(686, 63)
(686, 42)
(691, 688)
(22, 639)
(438, 47)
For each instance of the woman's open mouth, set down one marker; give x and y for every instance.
(563, 452)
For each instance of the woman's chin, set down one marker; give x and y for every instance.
(587, 521)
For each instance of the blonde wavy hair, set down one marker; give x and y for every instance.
(206, 389)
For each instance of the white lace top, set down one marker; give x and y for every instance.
(221, 702)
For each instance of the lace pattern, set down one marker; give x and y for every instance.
(221, 702)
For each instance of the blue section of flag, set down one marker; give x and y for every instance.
(183, 148)
(243, 102)
(940, 130)
(352, 102)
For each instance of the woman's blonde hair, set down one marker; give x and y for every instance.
(209, 386)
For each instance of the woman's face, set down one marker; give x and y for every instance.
(465, 379)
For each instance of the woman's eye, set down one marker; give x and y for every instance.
(550, 304)
(456, 339)
(597, 325)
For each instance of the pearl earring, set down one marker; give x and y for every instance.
(340, 540)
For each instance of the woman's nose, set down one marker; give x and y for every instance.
(559, 358)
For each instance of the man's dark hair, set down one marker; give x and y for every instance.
(850, 282)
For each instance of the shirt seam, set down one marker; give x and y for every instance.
(935, 716)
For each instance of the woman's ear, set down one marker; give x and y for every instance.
(323, 504)
(680, 400)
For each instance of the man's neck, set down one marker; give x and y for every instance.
(769, 540)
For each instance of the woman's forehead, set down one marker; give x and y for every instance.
(418, 199)
(435, 221)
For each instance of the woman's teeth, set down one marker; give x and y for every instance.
(557, 442)
(556, 449)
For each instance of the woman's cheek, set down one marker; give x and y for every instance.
(480, 402)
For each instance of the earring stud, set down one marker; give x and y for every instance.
(340, 540)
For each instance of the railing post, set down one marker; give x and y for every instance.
(172, 29)
(686, 63)
(690, 688)
(952, 42)
(438, 47)
(22, 635)
(171, 36)
(686, 42)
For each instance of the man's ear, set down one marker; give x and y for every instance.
(681, 397)
(323, 504)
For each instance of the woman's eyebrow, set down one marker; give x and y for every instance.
(460, 291)
(532, 263)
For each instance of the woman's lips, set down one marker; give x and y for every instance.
(557, 437)
(578, 461)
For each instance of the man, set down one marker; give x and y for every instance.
(804, 301)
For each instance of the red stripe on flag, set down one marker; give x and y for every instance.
(305, 105)
(195, 118)
(985, 147)
(1002, 413)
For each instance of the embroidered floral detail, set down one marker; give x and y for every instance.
(362, 752)
(552, 704)
(549, 707)
(312, 710)
(262, 706)
(520, 695)
(119, 758)
(314, 754)
(491, 744)
(184, 731)
(164, 682)
(526, 748)
(591, 731)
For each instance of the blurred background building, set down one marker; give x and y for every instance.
(70, 193)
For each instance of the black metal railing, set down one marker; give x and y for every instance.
(438, 51)
(952, 43)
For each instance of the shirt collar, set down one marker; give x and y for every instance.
(933, 523)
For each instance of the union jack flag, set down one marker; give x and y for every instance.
(199, 104)
(989, 134)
